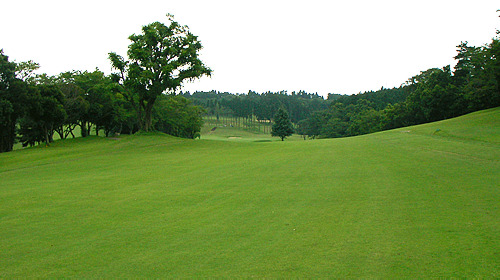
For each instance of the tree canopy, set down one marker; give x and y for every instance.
(11, 102)
(159, 60)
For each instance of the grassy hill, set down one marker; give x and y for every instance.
(415, 202)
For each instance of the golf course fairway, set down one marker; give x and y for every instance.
(415, 202)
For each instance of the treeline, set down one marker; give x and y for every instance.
(434, 94)
(300, 105)
(33, 108)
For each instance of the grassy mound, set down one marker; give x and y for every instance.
(413, 202)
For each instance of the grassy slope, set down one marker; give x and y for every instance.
(412, 202)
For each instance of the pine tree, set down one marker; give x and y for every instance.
(282, 127)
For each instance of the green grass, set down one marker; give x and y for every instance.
(228, 133)
(407, 203)
(236, 129)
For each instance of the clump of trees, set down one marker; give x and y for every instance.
(176, 115)
(140, 96)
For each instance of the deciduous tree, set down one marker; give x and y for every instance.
(45, 112)
(7, 114)
(160, 59)
(12, 102)
(177, 116)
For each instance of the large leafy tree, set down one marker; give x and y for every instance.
(44, 113)
(282, 126)
(99, 93)
(76, 107)
(160, 59)
(434, 96)
(7, 114)
(12, 98)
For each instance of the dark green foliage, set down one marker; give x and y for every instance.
(6, 135)
(90, 101)
(300, 105)
(434, 96)
(394, 116)
(45, 111)
(378, 99)
(177, 116)
(480, 66)
(93, 101)
(12, 96)
(303, 128)
(31, 132)
(7, 72)
(282, 127)
(76, 107)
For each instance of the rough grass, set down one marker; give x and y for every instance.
(412, 202)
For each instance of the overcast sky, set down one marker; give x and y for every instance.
(342, 47)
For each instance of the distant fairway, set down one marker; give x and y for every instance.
(415, 202)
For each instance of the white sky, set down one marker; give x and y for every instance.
(332, 46)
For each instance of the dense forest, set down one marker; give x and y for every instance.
(261, 106)
(142, 95)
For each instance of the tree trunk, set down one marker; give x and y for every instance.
(147, 115)
(69, 130)
(46, 132)
(140, 117)
(7, 135)
(60, 131)
(51, 133)
(83, 128)
(120, 130)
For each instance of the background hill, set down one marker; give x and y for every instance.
(416, 202)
